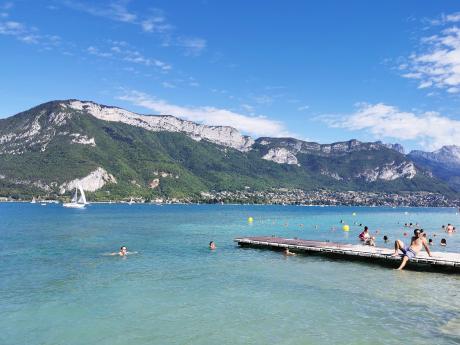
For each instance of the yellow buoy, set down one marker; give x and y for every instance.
(250, 220)
(346, 227)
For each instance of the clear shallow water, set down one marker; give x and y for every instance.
(58, 287)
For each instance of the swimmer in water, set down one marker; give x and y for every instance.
(123, 251)
(288, 253)
(212, 245)
(443, 242)
(385, 239)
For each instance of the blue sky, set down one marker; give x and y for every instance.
(324, 71)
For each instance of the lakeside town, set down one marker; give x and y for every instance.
(283, 196)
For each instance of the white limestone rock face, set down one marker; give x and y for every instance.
(91, 183)
(154, 183)
(33, 134)
(281, 155)
(82, 139)
(447, 155)
(221, 135)
(389, 172)
(334, 175)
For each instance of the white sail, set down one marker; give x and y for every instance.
(76, 201)
(75, 196)
(82, 199)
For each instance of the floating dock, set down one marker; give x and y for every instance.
(438, 262)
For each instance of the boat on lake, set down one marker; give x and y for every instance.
(77, 202)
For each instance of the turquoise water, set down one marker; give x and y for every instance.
(58, 287)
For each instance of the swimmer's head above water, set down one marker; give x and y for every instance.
(123, 250)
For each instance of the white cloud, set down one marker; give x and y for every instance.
(168, 85)
(247, 107)
(454, 17)
(437, 65)
(256, 126)
(95, 51)
(303, 108)
(123, 51)
(193, 46)
(156, 23)
(153, 21)
(114, 10)
(263, 99)
(119, 12)
(429, 129)
(28, 34)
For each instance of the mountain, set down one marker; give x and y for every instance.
(443, 163)
(114, 153)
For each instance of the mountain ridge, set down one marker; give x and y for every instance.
(156, 155)
(443, 163)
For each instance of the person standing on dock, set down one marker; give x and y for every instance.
(410, 252)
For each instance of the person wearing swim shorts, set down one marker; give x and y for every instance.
(409, 252)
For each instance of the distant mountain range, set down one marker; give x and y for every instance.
(443, 163)
(114, 153)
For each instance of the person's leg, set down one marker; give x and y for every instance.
(403, 263)
(399, 245)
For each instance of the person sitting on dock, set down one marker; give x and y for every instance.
(410, 252)
(366, 237)
(289, 253)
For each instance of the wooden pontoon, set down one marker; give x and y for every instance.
(439, 261)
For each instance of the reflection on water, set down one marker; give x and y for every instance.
(451, 328)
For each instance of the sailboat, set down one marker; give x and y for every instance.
(33, 201)
(131, 201)
(77, 202)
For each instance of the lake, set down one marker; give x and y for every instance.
(59, 286)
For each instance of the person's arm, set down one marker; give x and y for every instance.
(427, 248)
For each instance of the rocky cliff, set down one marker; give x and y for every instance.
(113, 152)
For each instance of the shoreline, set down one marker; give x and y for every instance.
(59, 202)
